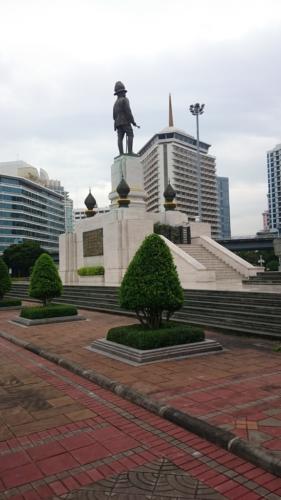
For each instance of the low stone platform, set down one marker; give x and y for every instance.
(137, 357)
(47, 321)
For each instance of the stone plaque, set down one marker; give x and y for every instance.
(93, 243)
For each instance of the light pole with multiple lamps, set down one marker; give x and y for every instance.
(196, 110)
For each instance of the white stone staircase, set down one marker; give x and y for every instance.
(224, 272)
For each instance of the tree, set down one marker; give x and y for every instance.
(270, 259)
(151, 284)
(21, 257)
(45, 283)
(5, 280)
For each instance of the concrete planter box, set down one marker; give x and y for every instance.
(91, 280)
(46, 321)
(138, 357)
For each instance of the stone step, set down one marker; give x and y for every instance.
(230, 313)
(234, 296)
(249, 312)
(216, 322)
(235, 308)
(211, 262)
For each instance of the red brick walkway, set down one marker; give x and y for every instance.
(60, 433)
(238, 390)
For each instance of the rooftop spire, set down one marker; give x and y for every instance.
(171, 119)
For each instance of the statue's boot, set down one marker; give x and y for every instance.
(130, 144)
(120, 146)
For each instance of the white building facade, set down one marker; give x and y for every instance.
(171, 156)
(80, 213)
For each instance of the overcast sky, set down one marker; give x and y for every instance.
(60, 59)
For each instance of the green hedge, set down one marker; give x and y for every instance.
(143, 338)
(91, 271)
(10, 302)
(50, 311)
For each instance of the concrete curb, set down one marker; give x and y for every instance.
(47, 321)
(224, 439)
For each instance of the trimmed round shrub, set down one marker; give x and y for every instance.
(45, 283)
(143, 338)
(50, 311)
(5, 279)
(151, 284)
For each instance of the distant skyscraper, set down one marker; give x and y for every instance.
(171, 155)
(274, 188)
(265, 220)
(224, 208)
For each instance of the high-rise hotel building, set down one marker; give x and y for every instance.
(170, 155)
(274, 188)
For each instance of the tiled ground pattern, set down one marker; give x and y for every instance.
(238, 390)
(60, 433)
(156, 480)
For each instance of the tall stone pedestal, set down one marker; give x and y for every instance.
(128, 166)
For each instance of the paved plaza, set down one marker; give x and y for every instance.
(65, 437)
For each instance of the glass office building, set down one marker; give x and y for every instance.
(30, 211)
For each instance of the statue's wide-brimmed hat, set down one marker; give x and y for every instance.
(119, 87)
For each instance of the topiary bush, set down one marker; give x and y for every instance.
(45, 283)
(142, 338)
(5, 280)
(50, 311)
(151, 284)
(91, 271)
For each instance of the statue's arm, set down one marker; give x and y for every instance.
(129, 113)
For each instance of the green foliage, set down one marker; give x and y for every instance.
(20, 258)
(91, 271)
(272, 265)
(252, 256)
(10, 303)
(142, 338)
(50, 311)
(151, 284)
(45, 283)
(5, 280)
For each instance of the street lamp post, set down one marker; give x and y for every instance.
(196, 110)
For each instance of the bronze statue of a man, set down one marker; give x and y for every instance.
(123, 118)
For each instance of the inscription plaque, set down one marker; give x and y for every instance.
(93, 243)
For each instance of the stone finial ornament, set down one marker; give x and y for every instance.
(169, 195)
(123, 191)
(90, 203)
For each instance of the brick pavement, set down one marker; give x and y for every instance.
(65, 437)
(238, 390)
